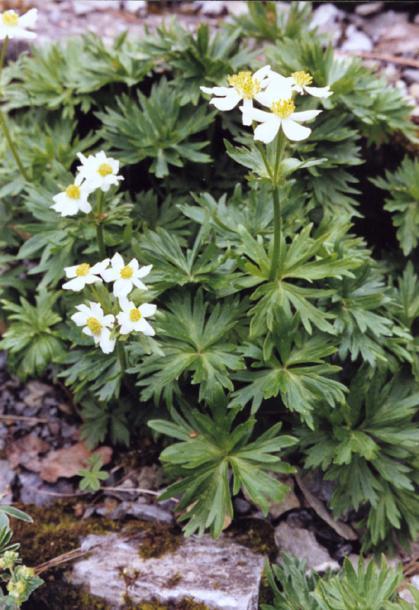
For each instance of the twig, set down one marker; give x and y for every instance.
(60, 559)
(35, 420)
(139, 490)
(392, 59)
(86, 493)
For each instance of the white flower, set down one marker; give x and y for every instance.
(282, 115)
(243, 86)
(301, 81)
(96, 325)
(132, 318)
(72, 200)
(125, 276)
(99, 171)
(14, 26)
(84, 274)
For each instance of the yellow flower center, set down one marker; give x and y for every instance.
(10, 18)
(83, 269)
(126, 272)
(135, 315)
(94, 325)
(104, 169)
(245, 84)
(73, 191)
(302, 78)
(283, 108)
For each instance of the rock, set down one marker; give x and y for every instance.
(411, 75)
(83, 7)
(415, 581)
(219, 573)
(241, 506)
(327, 19)
(211, 8)
(290, 502)
(141, 510)
(35, 491)
(303, 544)
(356, 40)
(407, 596)
(378, 25)
(7, 475)
(236, 7)
(26, 451)
(368, 8)
(138, 7)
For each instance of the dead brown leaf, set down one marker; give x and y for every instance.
(25, 451)
(68, 462)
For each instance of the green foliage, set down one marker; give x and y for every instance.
(92, 476)
(372, 586)
(31, 339)
(403, 202)
(369, 448)
(156, 127)
(212, 451)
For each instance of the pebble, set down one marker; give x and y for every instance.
(356, 40)
(411, 75)
(83, 7)
(303, 544)
(211, 8)
(138, 7)
(368, 8)
(7, 474)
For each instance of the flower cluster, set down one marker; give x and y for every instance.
(274, 91)
(95, 172)
(92, 318)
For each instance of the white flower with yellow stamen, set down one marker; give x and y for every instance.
(96, 325)
(13, 25)
(301, 82)
(99, 171)
(83, 274)
(125, 276)
(243, 86)
(283, 116)
(132, 318)
(73, 199)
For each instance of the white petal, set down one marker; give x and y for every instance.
(247, 107)
(133, 264)
(117, 261)
(143, 271)
(85, 206)
(294, 131)
(97, 311)
(279, 87)
(71, 271)
(75, 284)
(99, 267)
(262, 73)
(228, 102)
(144, 327)
(125, 304)
(109, 275)
(318, 91)
(28, 20)
(92, 279)
(108, 320)
(306, 115)
(215, 90)
(266, 132)
(122, 288)
(79, 318)
(257, 115)
(86, 331)
(101, 157)
(138, 283)
(147, 309)
(106, 343)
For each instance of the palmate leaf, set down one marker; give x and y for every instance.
(156, 127)
(306, 259)
(293, 366)
(197, 343)
(269, 21)
(212, 451)
(291, 584)
(31, 340)
(403, 204)
(366, 330)
(176, 266)
(369, 449)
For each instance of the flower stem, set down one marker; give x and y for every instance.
(277, 204)
(99, 226)
(120, 350)
(3, 121)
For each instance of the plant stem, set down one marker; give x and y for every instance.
(120, 350)
(276, 250)
(3, 121)
(99, 226)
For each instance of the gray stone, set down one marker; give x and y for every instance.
(327, 19)
(7, 474)
(141, 510)
(211, 8)
(411, 75)
(368, 8)
(35, 491)
(219, 573)
(138, 7)
(83, 7)
(290, 502)
(356, 40)
(302, 544)
(380, 24)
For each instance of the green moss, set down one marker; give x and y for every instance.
(256, 535)
(159, 540)
(184, 604)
